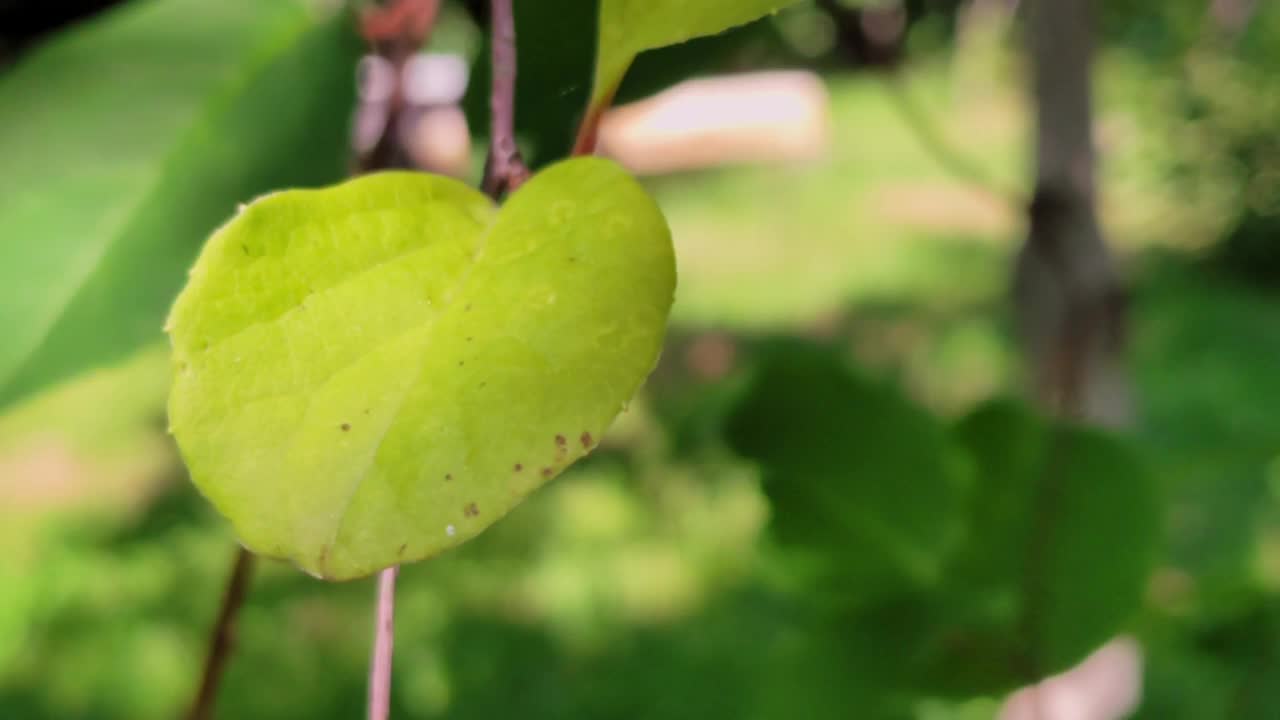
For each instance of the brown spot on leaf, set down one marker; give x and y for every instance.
(519, 467)
(471, 510)
(448, 477)
(560, 440)
(346, 427)
(546, 472)
(403, 548)
(586, 439)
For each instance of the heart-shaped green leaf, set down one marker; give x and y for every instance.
(372, 373)
(629, 27)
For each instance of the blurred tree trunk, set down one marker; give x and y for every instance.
(1068, 295)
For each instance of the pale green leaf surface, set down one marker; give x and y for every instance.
(372, 373)
(126, 140)
(629, 27)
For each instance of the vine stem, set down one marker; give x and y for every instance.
(222, 638)
(383, 642)
(504, 169)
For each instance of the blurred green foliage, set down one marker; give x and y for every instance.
(1216, 105)
(1064, 530)
(126, 141)
(987, 561)
(864, 484)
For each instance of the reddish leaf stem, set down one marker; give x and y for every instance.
(589, 130)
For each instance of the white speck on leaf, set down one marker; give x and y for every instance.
(450, 530)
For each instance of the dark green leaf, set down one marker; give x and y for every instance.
(857, 476)
(1064, 531)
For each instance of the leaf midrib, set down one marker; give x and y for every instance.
(482, 243)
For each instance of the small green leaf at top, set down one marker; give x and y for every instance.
(372, 373)
(629, 27)
(864, 486)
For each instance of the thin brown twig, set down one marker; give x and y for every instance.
(222, 639)
(504, 169)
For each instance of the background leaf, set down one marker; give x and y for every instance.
(127, 139)
(1064, 530)
(629, 27)
(857, 476)
(500, 347)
